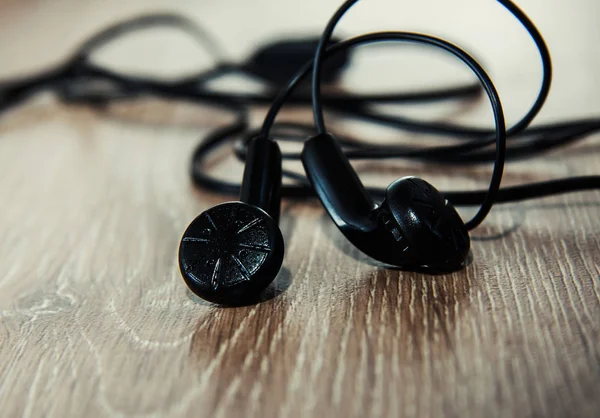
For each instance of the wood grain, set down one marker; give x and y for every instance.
(95, 320)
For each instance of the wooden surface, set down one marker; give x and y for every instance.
(95, 320)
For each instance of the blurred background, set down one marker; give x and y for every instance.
(38, 34)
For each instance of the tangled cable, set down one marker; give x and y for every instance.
(283, 66)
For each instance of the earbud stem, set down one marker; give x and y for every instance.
(261, 185)
(336, 183)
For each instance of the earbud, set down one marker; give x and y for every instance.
(234, 250)
(413, 227)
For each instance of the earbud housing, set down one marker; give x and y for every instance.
(413, 227)
(231, 252)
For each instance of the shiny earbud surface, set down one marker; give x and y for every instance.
(233, 251)
(426, 226)
(413, 227)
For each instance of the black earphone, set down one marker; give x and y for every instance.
(234, 250)
(414, 226)
(231, 252)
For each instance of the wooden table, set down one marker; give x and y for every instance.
(96, 321)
